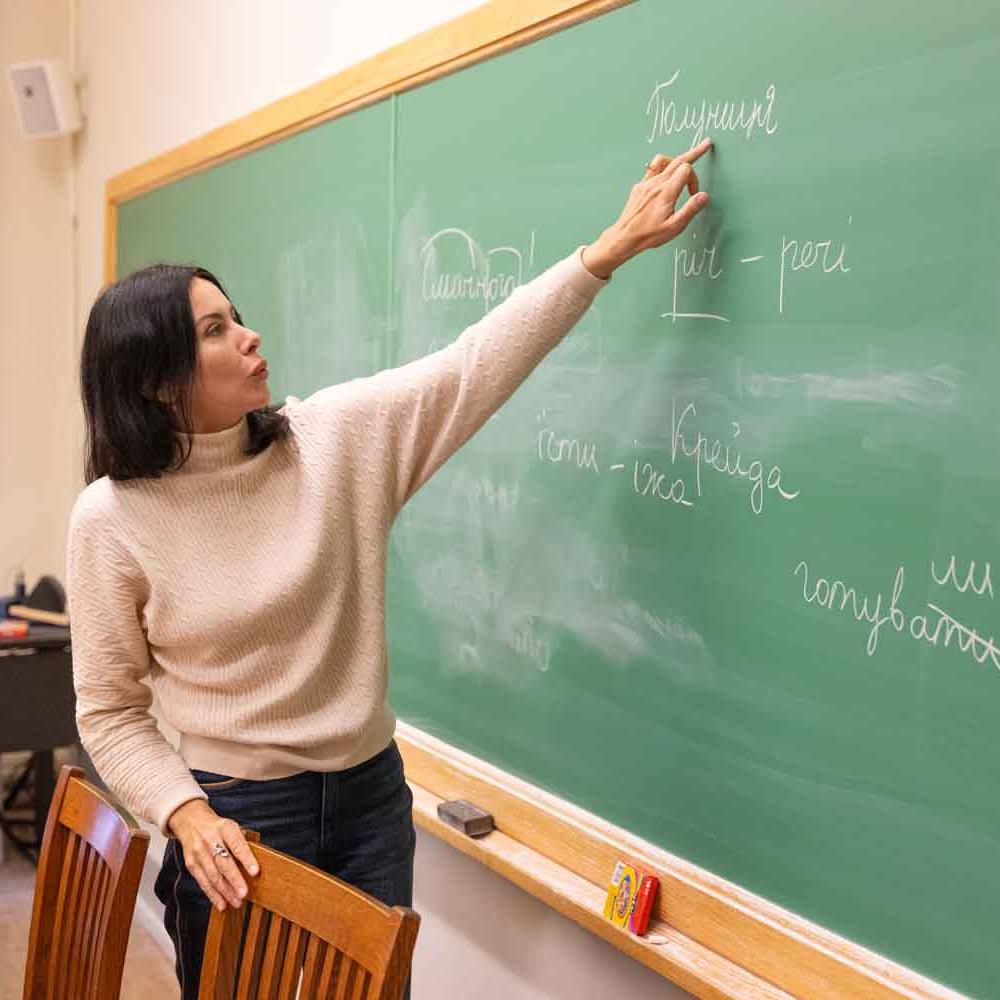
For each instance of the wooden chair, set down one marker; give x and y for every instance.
(304, 934)
(88, 878)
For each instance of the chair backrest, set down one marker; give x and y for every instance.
(304, 934)
(88, 878)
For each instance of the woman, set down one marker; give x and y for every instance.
(234, 554)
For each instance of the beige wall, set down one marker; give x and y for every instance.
(156, 74)
(37, 409)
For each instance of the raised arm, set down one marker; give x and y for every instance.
(432, 406)
(435, 404)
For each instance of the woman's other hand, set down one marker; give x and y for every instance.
(650, 217)
(212, 846)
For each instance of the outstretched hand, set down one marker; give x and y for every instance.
(651, 216)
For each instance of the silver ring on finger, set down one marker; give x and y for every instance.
(219, 851)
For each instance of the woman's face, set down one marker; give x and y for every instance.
(231, 377)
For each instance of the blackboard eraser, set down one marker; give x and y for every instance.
(464, 816)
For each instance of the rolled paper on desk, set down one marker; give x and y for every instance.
(38, 615)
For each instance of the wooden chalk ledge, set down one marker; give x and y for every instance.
(712, 938)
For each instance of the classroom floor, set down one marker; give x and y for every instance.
(149, 973)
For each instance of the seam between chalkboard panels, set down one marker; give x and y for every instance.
(391, 290)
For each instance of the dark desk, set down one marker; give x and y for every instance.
(37, 710)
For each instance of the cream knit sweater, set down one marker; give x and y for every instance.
(250, 590)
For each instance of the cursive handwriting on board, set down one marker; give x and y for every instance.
(950, 575)
(938, 628)
(807, 255)
(488, 276)
(668, 117)
(682, 486)
(691, 264)
(723, 457)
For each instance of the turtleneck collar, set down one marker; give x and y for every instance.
(221, 450)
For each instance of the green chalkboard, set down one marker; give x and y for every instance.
(721, 570)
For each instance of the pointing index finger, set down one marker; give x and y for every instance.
(696, 152)
(685, 160)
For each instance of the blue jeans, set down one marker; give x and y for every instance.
(356, 824)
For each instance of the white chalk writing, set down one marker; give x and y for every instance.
(647, 481)
(490, 277)
(556, 449)
(692, 263)
(709, 117)
(796, 256)
(706, 452)
(985, 585)
(825, 593)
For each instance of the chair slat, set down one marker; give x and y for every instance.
(76, 974)
(291, 968)
(64, 915)
(250, 959)
(92, 944)
(274, 951)
(332, 963)
(69, 920)
(315, 953)
(344, 986)
(94, 903)
(362, 980)
(222, 953)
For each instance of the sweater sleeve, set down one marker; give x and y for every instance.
(431, 407)
(105, 591)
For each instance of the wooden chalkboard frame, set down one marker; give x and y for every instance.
(714, 939)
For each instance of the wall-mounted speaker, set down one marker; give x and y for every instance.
(45, 98)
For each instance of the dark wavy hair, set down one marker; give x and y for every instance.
(136, 371)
